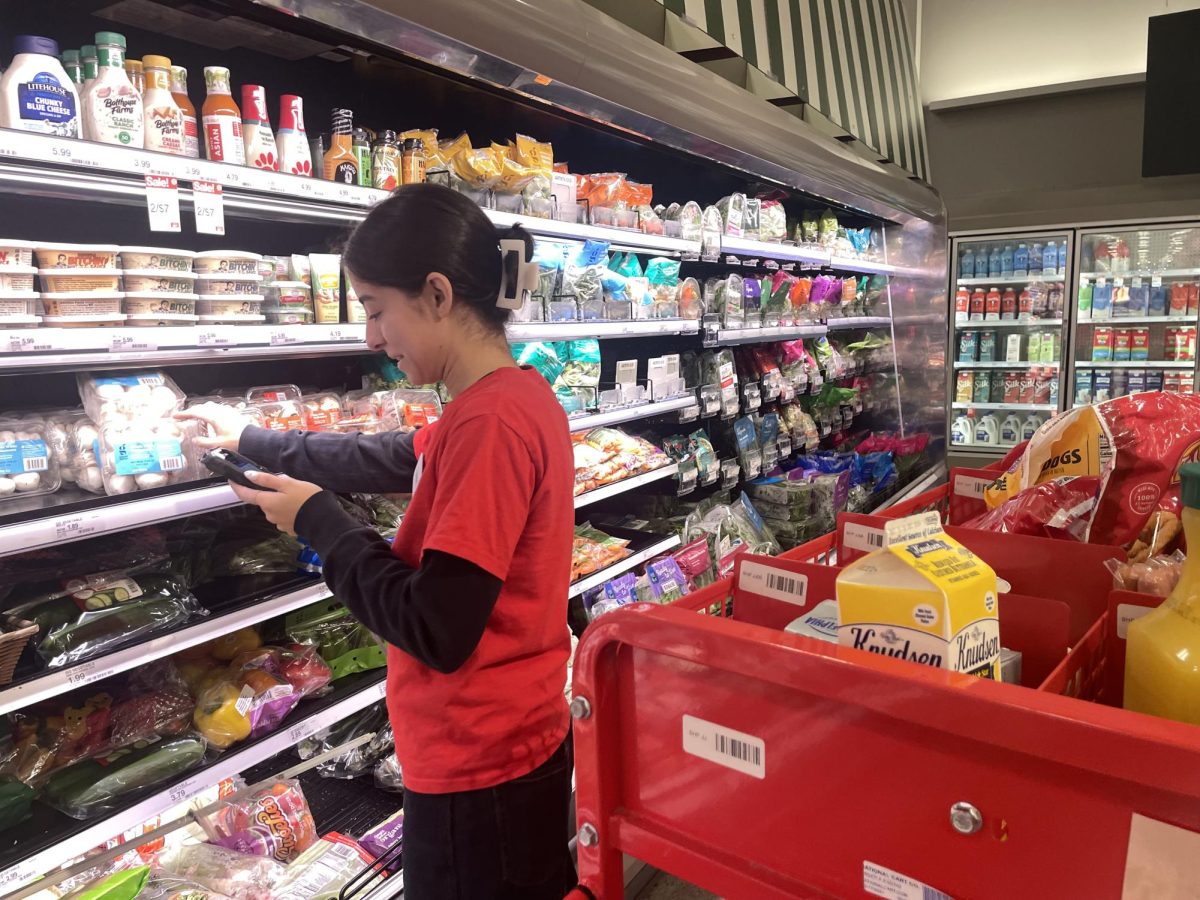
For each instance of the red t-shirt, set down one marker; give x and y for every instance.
(494, 486)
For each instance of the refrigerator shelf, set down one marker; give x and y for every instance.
(1009, 323)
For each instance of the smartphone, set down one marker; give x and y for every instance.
(232, 466)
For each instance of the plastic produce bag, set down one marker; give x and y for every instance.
(93, 787)
(324, 869)
(170, 887)
(220, 869)
(388, 776)
(273, 821)
(344, 643)
(358, 760)
(124, 885)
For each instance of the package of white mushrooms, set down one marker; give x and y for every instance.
(140, 444)
(27, 463)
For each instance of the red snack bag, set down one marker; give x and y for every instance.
(1134, 445)
(1055, 509)
(274, 822)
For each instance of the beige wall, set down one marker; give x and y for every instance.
(1049, 160)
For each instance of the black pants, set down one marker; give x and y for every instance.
(507, 842)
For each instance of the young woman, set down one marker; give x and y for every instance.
(471, 596)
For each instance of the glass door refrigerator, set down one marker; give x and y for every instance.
(1136, 311)
(1006, 338)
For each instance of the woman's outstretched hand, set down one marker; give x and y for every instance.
(224, 426)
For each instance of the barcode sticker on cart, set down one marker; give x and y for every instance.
(724, 746)
(1126, 613)
(768, 581)
(862, 537)
(970, 486)
(879, 881)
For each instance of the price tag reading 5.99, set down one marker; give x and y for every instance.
(162, 202)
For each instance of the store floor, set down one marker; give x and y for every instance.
(668, 887)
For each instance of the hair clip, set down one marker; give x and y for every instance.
(518, 278)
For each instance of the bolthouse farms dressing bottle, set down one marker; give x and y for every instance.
(112, 106)
(191, 129)
(164, 118)
(222, 119)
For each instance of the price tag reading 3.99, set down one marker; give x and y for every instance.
(162, 202)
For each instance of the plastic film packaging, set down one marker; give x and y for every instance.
(273, 821)
(226, 871)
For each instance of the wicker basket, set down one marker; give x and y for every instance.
(12, 644)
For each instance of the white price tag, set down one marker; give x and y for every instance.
(297, 733)
(31, 342)
(19, 874)
(727, 747)
(280, 337)
(1118, 282)
(1155, 281)
(1126, 613)
(862, 537)
(1135, 282)
(182, 791)
(127, 343)
(970, 486)
(69, 528)
(162, 202)
(209, 205)
(342, 334)
(769, 581)
(215, 336)
(381, 690)
(84, 673)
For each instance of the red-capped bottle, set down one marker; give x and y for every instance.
(295, 158)
(257, 136)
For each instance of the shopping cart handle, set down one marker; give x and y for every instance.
(580, 893)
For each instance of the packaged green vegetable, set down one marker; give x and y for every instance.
(689, 217)
(16, 799)
(810, 226)
(733, 213)
(662, 271)
(542, 357)
(582, 367)
(828, 234)
(772, 222)
(124, 885)
(627, 265)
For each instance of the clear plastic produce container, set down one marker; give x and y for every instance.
(322, 410)
(144, 453)
(120, 398)
(27, 464)
(280, 405)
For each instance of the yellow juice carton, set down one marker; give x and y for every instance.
(924, 597)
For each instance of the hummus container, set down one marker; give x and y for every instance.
(158, 258)
(138, 281)
(153, 319)
(77, 281)
(98, 321)
(16, 279)
(76, 256)
(87, 304)
(288, 294)
(16, 253)
(19, 309)
(232, 319)
(266, 268)
(230, 284)
(236, 262)
(225, 305)
(289, 316)
(140, 303)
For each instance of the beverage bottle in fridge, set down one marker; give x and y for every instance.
(1050, 258)
(966, 263)
(1120, 263)
(978, 302)
(1010, 431)
(1008, 304)
(222, 119)
(1101, 257)
(995, 261)
(1054, 300)
(962, 432)
(1021, 261)
(1025, 305)
(91, 65)
(1035, 259)
(982, 261)
(1062, 258)
(991, 303)
(1162, 677)
(962, 305)
(1006, 261)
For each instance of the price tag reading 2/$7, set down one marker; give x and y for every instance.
(209, 206)
(162, 202)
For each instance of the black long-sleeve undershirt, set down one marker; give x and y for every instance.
(437, 612)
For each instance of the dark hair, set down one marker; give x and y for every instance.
(425, 228)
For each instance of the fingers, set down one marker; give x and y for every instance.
(269, 480)
(247, 495)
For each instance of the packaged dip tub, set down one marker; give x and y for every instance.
(98, 321)
(16, 279)
(27, 466)
(19, 309)
(157, 258)
(151, 302)
(288, 294)
(229, 284)
(221, 262)
(139, 281)
(59, 304)
(82, 280)
(16, 253)
(76, 256)
(289, 316)
(226, 305)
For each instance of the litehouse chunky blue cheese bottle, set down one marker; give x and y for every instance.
(36, 93)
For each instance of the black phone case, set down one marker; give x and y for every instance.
(232, 466)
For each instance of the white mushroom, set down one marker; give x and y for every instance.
(7, 486)
(110, 391)
(27, 481)
(90, 479)
(152, 480)
(120, 484)
(67, 474)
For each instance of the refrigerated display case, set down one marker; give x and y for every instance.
(1135, 311)
(1007, 336)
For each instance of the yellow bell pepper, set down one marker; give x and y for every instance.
(217, 716)
(227, 646)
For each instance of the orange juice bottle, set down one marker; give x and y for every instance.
(1162, 653)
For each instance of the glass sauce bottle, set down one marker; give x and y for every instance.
(191, 128)
(163, 117)
(341, 162)
(222, 119)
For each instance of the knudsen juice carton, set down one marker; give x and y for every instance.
(924, 597)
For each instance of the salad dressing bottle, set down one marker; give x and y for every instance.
(191, 128)
(1162, 653)
(73, 65)
(222, 119)
(163, 117)
(257, 136)
(294, 155)
(91, 65)
(36, 93)
(137, 75)
(341, 162)
(112, 106)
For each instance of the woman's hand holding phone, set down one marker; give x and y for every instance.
(280, 500)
